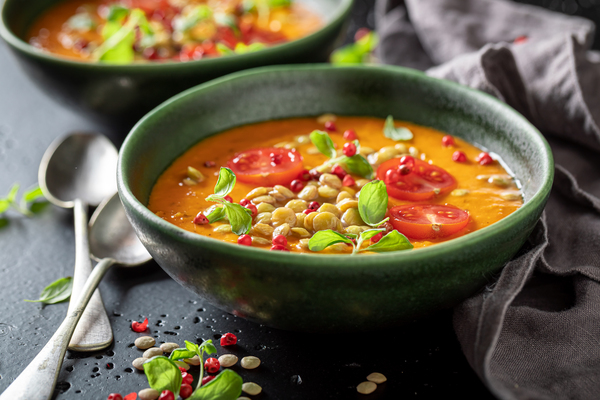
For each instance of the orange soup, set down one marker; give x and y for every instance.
(123, 31)
(298, 177)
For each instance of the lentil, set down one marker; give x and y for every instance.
(325, 220)
(366, 387)
(309, 193)
(251, 388)
(152, 352)
(376, 377)
(148, 394)
(264, 199)
(300, 219)
(169, 347)
(297, 205)
(328, 207)
(228, 360)
(300, 232)
(331, 180)
(264, 207)
(250, 362)
(264, 218)
(283, 229)
(328, 192)
(260, 240)
(144, 342)
(224, 228)
(138, 363)
(283, 215)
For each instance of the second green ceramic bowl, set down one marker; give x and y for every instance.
(121, 94)
(331, 292)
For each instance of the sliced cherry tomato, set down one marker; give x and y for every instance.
(267, 166)
(428, 221)
(424, 182)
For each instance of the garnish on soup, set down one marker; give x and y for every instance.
(124, 31)
(335, 185)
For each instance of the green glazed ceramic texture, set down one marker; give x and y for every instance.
(121, 94)
(321, 292)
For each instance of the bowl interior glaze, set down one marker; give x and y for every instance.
(329, 292)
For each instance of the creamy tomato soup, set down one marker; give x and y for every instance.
(438, 187)
(123, 31)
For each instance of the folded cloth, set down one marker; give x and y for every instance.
(535, 332)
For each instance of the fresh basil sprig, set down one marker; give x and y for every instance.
(119, 36)
(163, 374)
(372, 207)
(395, 133)
(226, 386)
(27, 205)
(239, 217)
(373, 202)
(356, 164)
(56, 292)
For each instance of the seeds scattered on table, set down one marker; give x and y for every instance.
(148, 394)
(366, 387)
(152, 352)
(144, 342)
(192, 361)
(228, 360)
(169, 347)
(250, 362)
(251, 388)
(376, 377)
(138, 363)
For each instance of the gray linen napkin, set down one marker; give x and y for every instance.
(535, 332)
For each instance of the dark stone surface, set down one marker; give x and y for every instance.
(421, 360)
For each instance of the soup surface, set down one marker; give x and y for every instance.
(123, 31)
(440, 187)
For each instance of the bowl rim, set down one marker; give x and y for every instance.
(307, 260)
(21, 45)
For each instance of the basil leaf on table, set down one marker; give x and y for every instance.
(180, 354)
(163, 374)
(225, 183)
(56, 292)
(358, 165)
(326, 238)
(239, 217)
(33, 194)
(372, 202)
(226, 386)
(393, 241)
(323, 143)
(395, 133)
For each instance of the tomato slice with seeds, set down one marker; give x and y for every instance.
(424, 182)
(267, 166)
(428, 221)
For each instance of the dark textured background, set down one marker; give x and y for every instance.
(421, 360)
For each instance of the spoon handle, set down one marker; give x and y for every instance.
(93, 331)
(37, 381)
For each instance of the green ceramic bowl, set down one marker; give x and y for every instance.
(331, 292)
(121, 94)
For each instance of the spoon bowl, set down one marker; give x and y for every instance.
(76, 171)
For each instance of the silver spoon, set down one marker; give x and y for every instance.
(76, 171)
(112, 238)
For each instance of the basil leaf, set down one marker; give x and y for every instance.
(117, 13)
(12, 193)
(56, 292)
(208, 347)
(358, 165)
(356, 53)
(180, 354)
(368, 234)
(191, 346)
(216, 214)
(323, 239)
(391, 131)
(33, 194)
(186, 22)
(4, 205)
(225, 183)
(372, 202)
(163, 374)
(226, 386)
(119, 39)
(323, 143)
(224, 50)
(393, 241)
(242, 48)
(239, 217)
